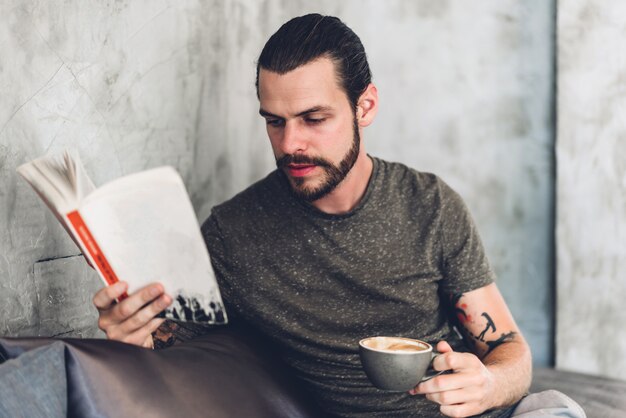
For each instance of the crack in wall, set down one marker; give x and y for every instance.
(29, 99)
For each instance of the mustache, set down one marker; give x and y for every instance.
(287, 159)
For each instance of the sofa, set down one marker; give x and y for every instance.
(227, 372)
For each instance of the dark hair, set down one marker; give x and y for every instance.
(305, 38)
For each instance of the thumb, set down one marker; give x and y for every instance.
(444, 347)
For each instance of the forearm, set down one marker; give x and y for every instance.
(511, 367)
(492, 335)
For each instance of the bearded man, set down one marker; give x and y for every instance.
(336, 245)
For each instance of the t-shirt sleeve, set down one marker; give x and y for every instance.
(464, 262)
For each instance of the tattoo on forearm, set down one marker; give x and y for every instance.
(503, 338)
(464, 318)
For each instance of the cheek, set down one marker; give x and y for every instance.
(339, 139)
(337, 136)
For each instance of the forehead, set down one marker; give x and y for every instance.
(312, 84)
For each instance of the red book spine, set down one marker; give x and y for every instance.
(102, 264)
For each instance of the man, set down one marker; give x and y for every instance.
(335, 246)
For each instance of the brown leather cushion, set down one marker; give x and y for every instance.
(225, 373)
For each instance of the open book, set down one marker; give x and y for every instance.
(140, 228)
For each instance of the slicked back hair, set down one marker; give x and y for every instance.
(306, 38)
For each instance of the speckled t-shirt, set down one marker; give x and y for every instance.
(317, 283)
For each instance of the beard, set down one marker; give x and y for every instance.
(333, 174)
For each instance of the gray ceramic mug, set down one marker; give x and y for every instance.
(395, 363)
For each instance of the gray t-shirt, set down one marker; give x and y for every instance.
(317, 283)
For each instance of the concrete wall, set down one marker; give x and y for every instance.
(466, 92)
(591, 152)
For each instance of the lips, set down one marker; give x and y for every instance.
(300, 170)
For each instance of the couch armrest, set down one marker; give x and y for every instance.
(224, 373)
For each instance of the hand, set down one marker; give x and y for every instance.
(133, 319)
(467, 391)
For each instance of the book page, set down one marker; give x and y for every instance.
(61, 182)
(147, 229)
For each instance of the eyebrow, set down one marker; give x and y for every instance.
(313, 109)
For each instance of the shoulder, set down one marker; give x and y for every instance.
(402, 180)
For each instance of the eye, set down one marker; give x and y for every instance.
(315, 121)
(274, 122)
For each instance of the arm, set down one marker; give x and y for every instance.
(498, 372)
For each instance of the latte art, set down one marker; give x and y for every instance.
(396, 363)
(394, 344)
(404, 347)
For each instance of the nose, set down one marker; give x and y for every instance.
(293, 138)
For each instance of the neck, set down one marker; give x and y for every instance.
(347, 195)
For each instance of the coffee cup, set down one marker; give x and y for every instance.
(396, 363)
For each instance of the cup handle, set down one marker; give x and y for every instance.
(430, 372)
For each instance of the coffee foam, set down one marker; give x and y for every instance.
(394, 344)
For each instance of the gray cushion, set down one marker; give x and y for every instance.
(599, 397)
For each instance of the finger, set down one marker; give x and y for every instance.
(132, 304)
(455, 361)
(144, 316)
(448, 382)
(142, 335)
(461, 410)
(104, 298)
(153, 326)
(456, 396)
(444, 347)
(439, 384)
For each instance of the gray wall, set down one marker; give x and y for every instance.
(591, 153)
(465, 88)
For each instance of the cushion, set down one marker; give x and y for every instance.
(227, 372)
(598, 396)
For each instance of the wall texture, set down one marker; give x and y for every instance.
(591, 152)
(465, 92)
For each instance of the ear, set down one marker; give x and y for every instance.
(367, 106)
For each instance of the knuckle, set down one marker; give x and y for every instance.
(125, 310)
(149, 293)
(110, 293)
(112, 335)
(102, 323)
(454, 362)
(480, 379)
(436, 384)
(130, 323)
(159, 305)
(454, 412)
(100, 299)
(136, 321)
